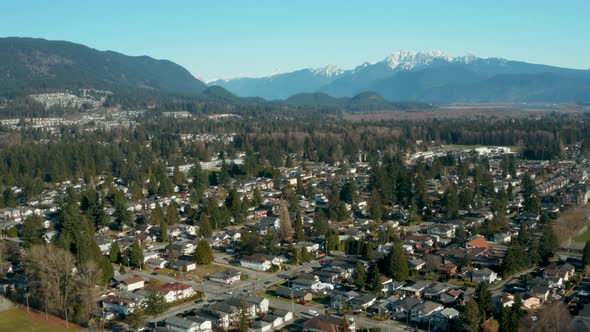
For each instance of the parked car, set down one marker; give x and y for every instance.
(312, 313)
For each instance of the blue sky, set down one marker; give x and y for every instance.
(219, 39)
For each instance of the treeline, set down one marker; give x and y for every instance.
(128, 153)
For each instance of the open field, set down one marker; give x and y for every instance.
(475, 111)
(203, 271)
(17, 320)
(584, 237)
(569, 222)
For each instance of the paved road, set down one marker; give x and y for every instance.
(360, 322)
(257, 281)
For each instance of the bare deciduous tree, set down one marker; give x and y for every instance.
(51, 273)
(286, 229)
(553, 317)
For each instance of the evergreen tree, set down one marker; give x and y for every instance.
(163, 232)
(460, 236)
(243, 317)
(372, 284)
(452, 202)
(532, 202)
(257, 197)
(348, 192)
(586, 254)
(483, 297)
(471, 317)
(177, 176)
(205, 228)
(33, 231)
(359, 276)
(549, 244)
(9, 198)
(299, 231)
(134, 255)
(155, 304)
(203, 253)
(375, 207)
(166, 187)
(115, 252)
(157, 216)
(172, 217)
(395, 263)
(332, 241)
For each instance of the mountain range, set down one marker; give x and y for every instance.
(427, 76)
(29, 65)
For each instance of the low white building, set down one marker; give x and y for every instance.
(226, 277)
(132, 284)
(257, 262)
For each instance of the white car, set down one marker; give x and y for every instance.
(312, 313)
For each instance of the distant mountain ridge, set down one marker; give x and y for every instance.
(29, 65)
(428, 76)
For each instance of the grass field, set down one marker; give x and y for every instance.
(17, 320)
(203, 271)
(584, 237)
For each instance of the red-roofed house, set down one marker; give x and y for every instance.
(175, 291)
(477, 241)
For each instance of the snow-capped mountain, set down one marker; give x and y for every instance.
(328, 71)
(426, 76)
(407, 60)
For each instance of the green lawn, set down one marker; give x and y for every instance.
(584, 237)
(16, 320)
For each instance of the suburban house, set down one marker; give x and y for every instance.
(182, 265)
(484, 275)
(297, 295)
(132, 284)
(477, 241)
(531, 303)
(363, 301)
(175, 291)
(118, 305)
(261, 326)
(156, 263)
(442, 318)
(423, 311)
(188, 324)
(258, 262)
(340, 299)
(415, 290)
(184, 248)
(416, 264)
(401, 308)
(308, 284)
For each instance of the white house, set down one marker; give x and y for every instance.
(257, 262)
(189, 324)
(156, 263)
(183, 265)
(175, 291)
(484, 275)
(132, 284)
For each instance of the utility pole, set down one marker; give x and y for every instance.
(292, 303)
(27, 298)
